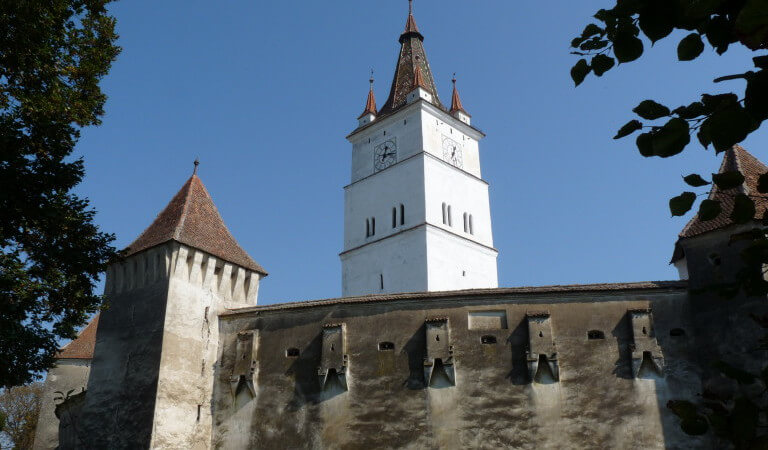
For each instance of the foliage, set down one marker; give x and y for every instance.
(721, 120)
(52, 56)
(21, 407)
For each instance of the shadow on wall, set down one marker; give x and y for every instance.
(623, 365)
(518, 342)
(415, 349)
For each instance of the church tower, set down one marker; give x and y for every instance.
(416, 213)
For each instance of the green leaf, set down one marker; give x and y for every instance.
(762, 183)
(703, 135)
(718, 32)
(601, 64)
(575, 42)
(741, 376)
(656, 19)
(709, 210)
(751, 25)
(712, 102)
(681, 204)
(690, 47)
(628, 128)
(691, 111)
(728, 180)
(743, 209)
(695, 180)
(644, 143)
(594, 44)
(761, 61)
(627, 47)
(591, 30)
(756, 94)
(650, 110)
(579, 71)
(672, 138)
(729, 125)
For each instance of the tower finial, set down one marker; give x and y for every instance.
(410, 7)
(197, 163)
(371, 79)
(453, 80)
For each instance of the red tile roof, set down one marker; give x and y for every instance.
(82, 347)
(370, 103)
(456, 100)
(412, 55)
(192, 219)
(739, 159)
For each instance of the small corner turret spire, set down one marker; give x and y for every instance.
(370, 103)
(410, 24)
(455, 99)
(418, 78)
(196, 163)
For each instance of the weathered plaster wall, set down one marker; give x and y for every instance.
(69, 374)
(156, 346)
(597, 402)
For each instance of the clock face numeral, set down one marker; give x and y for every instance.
(452, 152)
(384, 155)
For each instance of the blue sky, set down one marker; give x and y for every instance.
(265, 92)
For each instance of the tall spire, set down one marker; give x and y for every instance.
(370, 103)
(455, 99)
(412, 55)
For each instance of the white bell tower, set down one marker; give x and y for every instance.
(416, 213)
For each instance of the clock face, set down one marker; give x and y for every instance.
(452, 152)
(384, 154)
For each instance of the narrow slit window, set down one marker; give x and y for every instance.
(373, 226)
(445, 214)
(450, 219)
(466, 223)
(381, 281)
(367, 228)
(402, 214)
(471, 225)
(386, 346)
(595, 334)
(489, 339)
(394, 217)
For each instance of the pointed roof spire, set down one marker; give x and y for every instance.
(192, 219)
(370, 103)
(736, 158)
(455, 99)
(412, 55)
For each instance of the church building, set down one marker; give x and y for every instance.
(423, 349)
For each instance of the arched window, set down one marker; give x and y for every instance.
(471, 225)
(450, 219)
(466, 223)
(373, 226)
(445, 214)
(367, 228)
(394, 217)
(402, 214)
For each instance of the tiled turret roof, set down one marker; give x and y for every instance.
(412, 55)
(82, 347)
(736, 158)
(192, 219)
(456, 100)
(370, 103)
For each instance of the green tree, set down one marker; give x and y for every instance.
(53, 55)
(720, 121)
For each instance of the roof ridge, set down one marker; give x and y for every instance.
(185, 209)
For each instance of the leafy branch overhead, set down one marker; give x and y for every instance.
(622, 35)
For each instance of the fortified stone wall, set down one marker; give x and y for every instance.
(570, 367)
